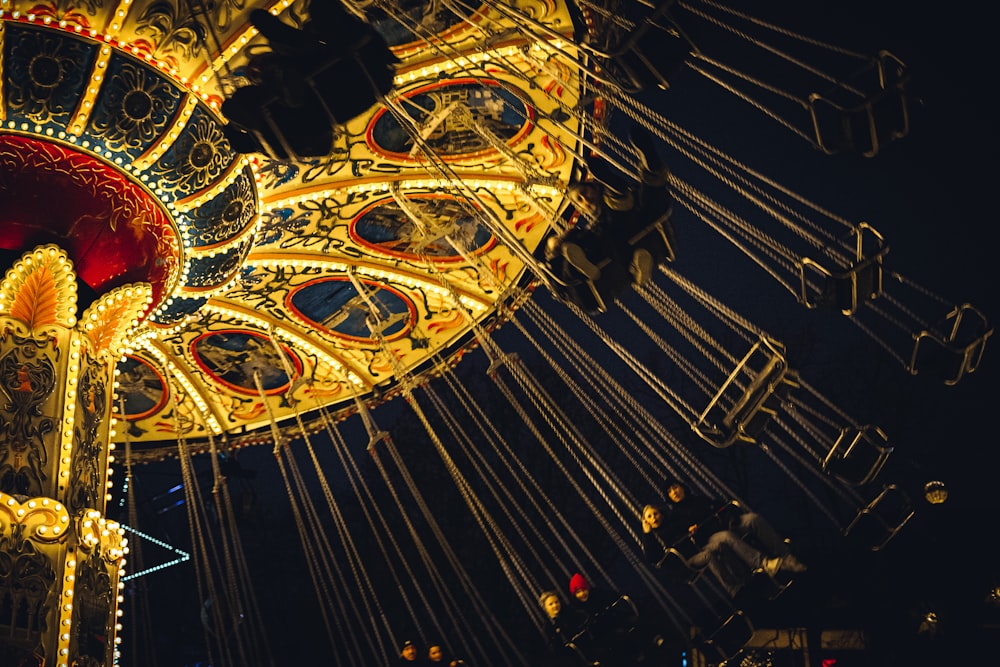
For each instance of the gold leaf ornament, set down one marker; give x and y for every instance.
(40, 289)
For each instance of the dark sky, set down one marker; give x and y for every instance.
(931, 195)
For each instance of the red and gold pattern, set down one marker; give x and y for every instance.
(115, 230)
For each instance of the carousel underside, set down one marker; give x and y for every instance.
(266, 274)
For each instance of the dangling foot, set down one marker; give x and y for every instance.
(575, 255)
(792, 564)
(616, 192)
(654, 171)
(770, 566)
(642, 266)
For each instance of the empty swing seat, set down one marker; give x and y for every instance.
(749, 398)
(863, 125)
(953, 349)
(618, 618)
(847, 290)
(881, 519)
(727, 640)
(858, 455)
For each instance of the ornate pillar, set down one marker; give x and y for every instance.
(61, 561)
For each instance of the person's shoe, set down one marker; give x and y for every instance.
(792, 564)
(617, 195)
(654, 171)
(770, 566)
(575, 255)
(642, 266)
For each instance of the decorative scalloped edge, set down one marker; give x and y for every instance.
(37, 519)
(110, 320)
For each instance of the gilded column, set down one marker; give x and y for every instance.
(61, 560)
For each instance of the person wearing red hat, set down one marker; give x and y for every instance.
(611, 620)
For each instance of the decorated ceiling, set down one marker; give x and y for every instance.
(280, 286)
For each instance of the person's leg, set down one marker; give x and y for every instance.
(758, 529)
(616, 188)
(726, 541)
(654, 171)
(722, 563)
(282, 37)
(574, 250)
(641, 266)
(734, 544)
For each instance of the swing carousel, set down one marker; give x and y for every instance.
(183, 292)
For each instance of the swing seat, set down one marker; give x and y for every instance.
(658, 238)
(957, 351)
(728, 639)
(858, 455)
(613, 281)
(753, 392)
(880, 520)
(882, 115)
(293, 113)
(619, 618)
(760, 585)
(261, 123)
(593, 296)
(652, 54)
(578, 654)
(571, 278)
(673, 565)
(723, 518)
(847, 290)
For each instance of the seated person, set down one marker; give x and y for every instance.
(408, 654)
(688, 510)
(636, 208)
(611, 619)
(654, 52)
(437, 655)
(627, 233)
(725, 552)
(581, 281)
(297, 89)
(566, 626)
